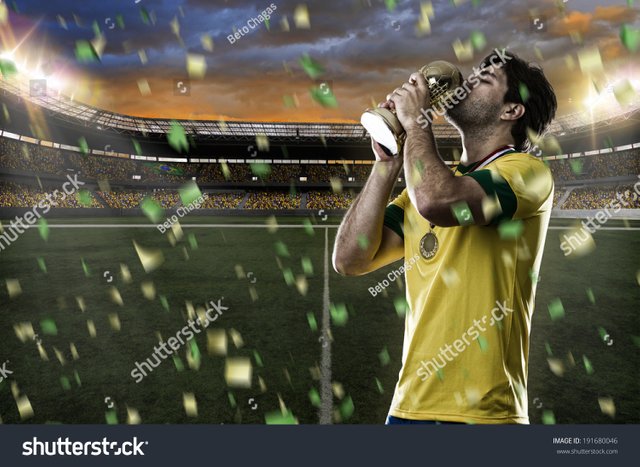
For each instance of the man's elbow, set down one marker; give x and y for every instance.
(344, 267)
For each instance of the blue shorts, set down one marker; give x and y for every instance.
(391, 420)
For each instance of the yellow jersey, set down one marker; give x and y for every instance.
(466, 336)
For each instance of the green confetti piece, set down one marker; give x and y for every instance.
(630, 37)
(311, 319)
(608, 141)
(85, 52)
(548, 418)
(65, 383)
(323, 96)
(177, 137)
(120, 21)
(510, 229)
(42, 265)
(288, 101)
(347, 408)
(289, 279)
(482, 342)
(401, 306)
(260, 169)
(576, 166)
(111, 417)
(145, 16)
(136, 147)
(267, 24)
(84, 197)
(310, 66)
(281, 249)
(462, 212)
(556, 310)
(164, 302)
(189, 193)
(547, 347)
(85, 268)
(533, 276)
(232, 400)
(84, 146)
(77, 378)
(278, 418)
(308, 227)
(195, 350)
(49, 327)
(314, 397)
(96, 28)
(258, 358)
(339, 314)
(390, 4)
(178, 363)
(7, 68)
(603, 332)
(43, 229)
(384, 357)
(193, 242)
(523, 90)
(440, 374)
(588, 367)
(379, 386)
(307, 266)
(363, 241)
(478, 40)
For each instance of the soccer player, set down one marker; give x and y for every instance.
(479, 231)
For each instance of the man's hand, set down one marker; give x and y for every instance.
(409, 99)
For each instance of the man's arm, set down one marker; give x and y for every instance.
(354, 256)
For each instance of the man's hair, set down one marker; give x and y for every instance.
(527, 85)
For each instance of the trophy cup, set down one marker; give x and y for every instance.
(383, 125)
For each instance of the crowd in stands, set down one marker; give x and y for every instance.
(24, 196)
(598, 197)
(599, 166)
(329, 200)
(272, 200)
(222, 200)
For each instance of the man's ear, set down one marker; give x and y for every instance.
(512, 111)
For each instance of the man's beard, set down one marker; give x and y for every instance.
(470, 113)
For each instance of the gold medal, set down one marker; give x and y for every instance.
(429, 245)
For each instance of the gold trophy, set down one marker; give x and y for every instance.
(383, 125)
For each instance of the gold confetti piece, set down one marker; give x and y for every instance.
(607, 406)
(424, 25)
(43, 353)
(196, 66)
(463, 50)
(4, 14)
(284, 24)
(24, 331)
(15, 390)
(238, 371)
(116, 298)
(240, 274)
(236, 338)
(24, 407)
(336, 184)
(262, 141)
(207, 42)
(13, 287)
(272, 224)
(216, 342)
(148, 290)
(338, 389)
(302, 285)
(301, 17)
(624, 92)
(59, 356)
(556, 366)
(81, 304)
(91, 327)
(74, 351)
(176, 229)
(473, 396)
(190, 404)
(143, 56)
(253, 293)
(133, 417)
(576, 241)
(263, 385)
(114, 321)
(450, 277)
(99, 43)
(151, 259)
(590, 60)
(144, 88)
(491, 207)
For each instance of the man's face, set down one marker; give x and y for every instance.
(485, 102)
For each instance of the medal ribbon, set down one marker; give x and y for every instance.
(493, 156)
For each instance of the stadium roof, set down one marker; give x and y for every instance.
(86, 115)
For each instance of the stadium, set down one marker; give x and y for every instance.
(169, 216)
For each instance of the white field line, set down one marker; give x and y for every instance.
(326, 392)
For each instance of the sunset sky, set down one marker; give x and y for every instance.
(366, 47)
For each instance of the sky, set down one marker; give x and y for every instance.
(365, 48)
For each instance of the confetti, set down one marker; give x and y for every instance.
(624, 92)
(301, 17)
(347, 408)
(196, 66)
(401, 306)
(548, 418)
(314, 397)
(510, 229)
(339, 314)
(238, 371)
(148, 290)
(363, 241)
(278, 417)
(143, 87)
(13, 287)
(384, 357)
(590, 60)
(607, 406)
(85, 52)
(311, 319)
(523, 90)
(207, 42)
(24, 407)
(587, 365)
(379, 386)
(478, 40)
(190, 404)
(630, 37)
(482, 342)
(115, 296)
(85, 268)
(177, 137)
(49, 327)
(236, 337)
(323, 96)
(150, 259)
(591, 296)
(310, 66)
(307, 266)
(43, 229)
(133, 417)
(7, 68)
(281, 249)
(189, 193)
(556, 310)
(556, 366)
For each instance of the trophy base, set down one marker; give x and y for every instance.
(384, 128)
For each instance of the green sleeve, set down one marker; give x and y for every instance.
(501, 189)
(394, 219)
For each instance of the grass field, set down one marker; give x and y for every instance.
(288, 355)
